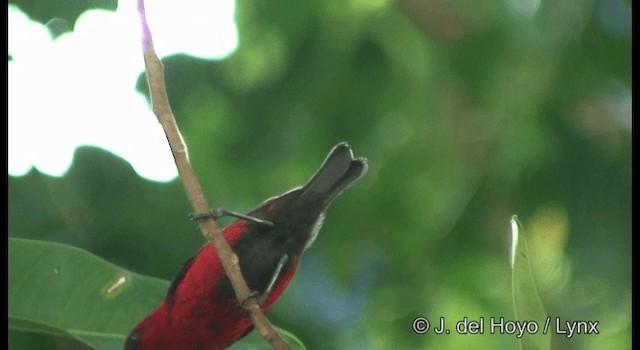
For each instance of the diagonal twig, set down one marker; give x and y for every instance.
(162, 110)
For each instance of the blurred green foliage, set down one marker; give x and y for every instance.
(468, 112)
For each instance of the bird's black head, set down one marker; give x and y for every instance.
(297, 215)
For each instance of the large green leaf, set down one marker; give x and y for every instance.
(526, 300)
(62, 290)
(253, 341)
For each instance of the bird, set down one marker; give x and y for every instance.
(200, 310)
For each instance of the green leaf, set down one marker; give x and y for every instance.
(526, 300)
(63, 290)
(253, 341)
(295, 343)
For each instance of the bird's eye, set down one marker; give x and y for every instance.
(132, 342)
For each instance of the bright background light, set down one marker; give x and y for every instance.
(79, 88)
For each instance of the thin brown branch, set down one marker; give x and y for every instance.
(209, 228)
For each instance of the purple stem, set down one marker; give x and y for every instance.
(147, 42)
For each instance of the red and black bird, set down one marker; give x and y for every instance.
(200, 310)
